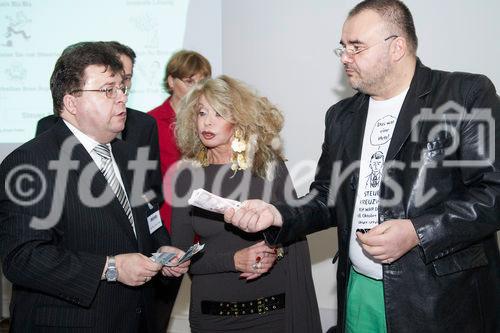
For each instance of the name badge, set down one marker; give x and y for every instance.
(154, 221)
(153, 213)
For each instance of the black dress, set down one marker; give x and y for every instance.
(214, 277)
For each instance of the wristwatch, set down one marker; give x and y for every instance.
(111, 272)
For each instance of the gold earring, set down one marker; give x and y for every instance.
(239, 147)
(202, 156)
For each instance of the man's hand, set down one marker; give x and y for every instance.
(135, 269)
(255, 260)
(389, 241)
(254, 216)
(177, 270)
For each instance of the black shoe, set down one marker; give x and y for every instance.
(332, 329)
(4, 323)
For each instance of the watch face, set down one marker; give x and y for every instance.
(111, 274)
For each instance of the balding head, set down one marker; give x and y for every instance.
(397, 17)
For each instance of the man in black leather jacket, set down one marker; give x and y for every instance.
(437, 212)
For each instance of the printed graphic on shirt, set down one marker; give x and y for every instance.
(376, 166)
(368, 197)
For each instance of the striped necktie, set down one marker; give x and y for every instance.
(107, 170)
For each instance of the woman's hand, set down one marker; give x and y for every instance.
(255, 260)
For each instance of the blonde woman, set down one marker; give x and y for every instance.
(229, 139)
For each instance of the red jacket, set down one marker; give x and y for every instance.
(169, 153)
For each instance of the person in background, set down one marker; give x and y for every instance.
(229, 137)
(418, 250)
(184, 69)
(78, 255)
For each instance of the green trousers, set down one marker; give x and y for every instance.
(365, 305)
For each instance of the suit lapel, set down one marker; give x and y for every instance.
(355, 130)
(353, 144)
(412, 105)
(122, 157)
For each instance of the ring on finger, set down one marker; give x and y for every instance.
(255, 266)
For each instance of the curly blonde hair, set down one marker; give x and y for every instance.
(258, 121)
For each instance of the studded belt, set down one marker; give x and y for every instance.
(258, 306)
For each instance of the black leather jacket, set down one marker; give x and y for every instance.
(445, 178)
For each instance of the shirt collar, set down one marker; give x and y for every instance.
(88, 143)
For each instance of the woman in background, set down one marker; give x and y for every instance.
(229, 137)
(184, 69)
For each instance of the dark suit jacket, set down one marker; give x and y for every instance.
(140, 130)
(56, 271)
(450, 282)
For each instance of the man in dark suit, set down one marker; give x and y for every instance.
(75, 229)
(140, 128)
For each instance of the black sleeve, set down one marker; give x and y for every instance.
(311, 212)
(472, 214)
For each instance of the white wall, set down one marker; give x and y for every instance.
(203, 31)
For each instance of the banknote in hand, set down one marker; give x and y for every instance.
(167, 258)
(211, 202)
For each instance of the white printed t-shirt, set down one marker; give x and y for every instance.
(380, 123)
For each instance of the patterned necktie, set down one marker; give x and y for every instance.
(108, 172)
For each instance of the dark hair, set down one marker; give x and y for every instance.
(394, 12)
(185, 63)
(123, 49)
(69, 70)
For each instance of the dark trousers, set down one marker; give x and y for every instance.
(165, 296)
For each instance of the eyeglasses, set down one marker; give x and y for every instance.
(110, 92)
(353, 50)
(188, 81)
